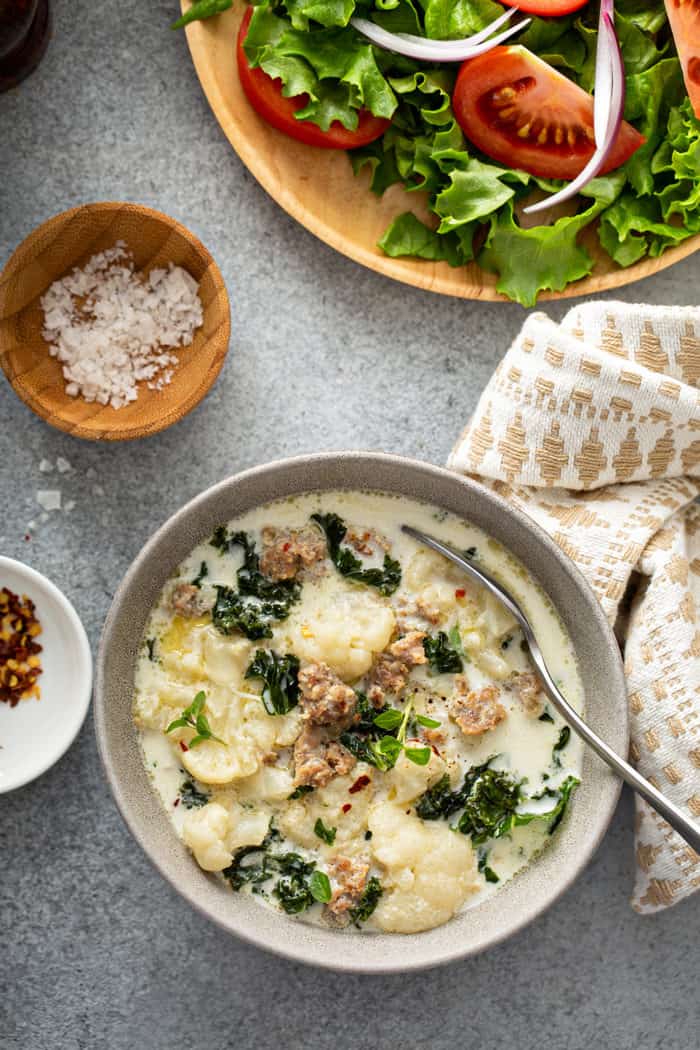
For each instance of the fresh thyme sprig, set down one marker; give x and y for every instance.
(194, 717)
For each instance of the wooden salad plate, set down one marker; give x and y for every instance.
(318, 188)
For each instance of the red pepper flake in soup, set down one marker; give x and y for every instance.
(183, 746)
(460, 592)
(359, 784)
(347, 807)
(20, 666)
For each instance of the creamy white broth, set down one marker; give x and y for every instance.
(343, 622)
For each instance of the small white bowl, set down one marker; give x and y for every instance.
(35, 733)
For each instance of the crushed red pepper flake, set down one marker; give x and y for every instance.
(347, 807)
(361, 782)
(183, 746)
(20, 666)
(460, 592)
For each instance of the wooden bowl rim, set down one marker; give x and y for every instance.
(420, 273)
(23, 254)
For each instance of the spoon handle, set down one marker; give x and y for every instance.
(685, 827)
(671, 813)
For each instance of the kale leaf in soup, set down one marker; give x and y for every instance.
(442, 658)
(386, 580)
(280, 675)
(259, 601)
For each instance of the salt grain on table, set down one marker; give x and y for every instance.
(49, 499)
(112, 328)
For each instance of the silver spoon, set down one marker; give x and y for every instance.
(671, 813)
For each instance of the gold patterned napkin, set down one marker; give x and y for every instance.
(592, 427)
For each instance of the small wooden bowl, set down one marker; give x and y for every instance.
(69, 240)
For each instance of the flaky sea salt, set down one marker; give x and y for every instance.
(46, 466)
(112, 328)
(49, 499)
(62, 465)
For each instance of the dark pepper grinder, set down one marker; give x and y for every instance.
(24, 33)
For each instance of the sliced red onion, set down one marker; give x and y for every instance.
(603, 87)
(427, 50)
(475, 39)
(609, 104)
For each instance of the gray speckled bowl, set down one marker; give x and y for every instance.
(520, 900)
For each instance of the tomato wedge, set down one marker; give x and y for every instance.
(550, 8)
(266, 98)
(684, 16)
(520, 111)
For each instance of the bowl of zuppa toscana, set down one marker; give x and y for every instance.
(331, 742)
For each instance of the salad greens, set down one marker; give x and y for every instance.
(648, 205)
(201, 9)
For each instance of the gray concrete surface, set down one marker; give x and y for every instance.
(95, 949)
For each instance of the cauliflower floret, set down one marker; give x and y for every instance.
(343, 627)
(226, 658)
(297, 820)
(181, 648)
(271, 783)
(435, 583)
(247, 731)
(205, 831)
(497, 620)
(287, 727)
(428, 567)
(214, 832)
(215, 763)
(248, 827)
(492, 664)
(407, 780)
(429, 870)
(159, 700)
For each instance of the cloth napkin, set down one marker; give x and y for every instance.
(592, 427)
